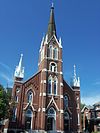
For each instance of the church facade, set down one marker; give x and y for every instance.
(46, 102)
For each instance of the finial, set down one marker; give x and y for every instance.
(52, 6)
(21, 55)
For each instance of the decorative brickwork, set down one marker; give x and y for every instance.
(46, 102)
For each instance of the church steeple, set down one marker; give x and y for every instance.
(51, 25)
(19, 71)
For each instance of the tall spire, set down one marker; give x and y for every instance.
(19, 71)
(51, 25)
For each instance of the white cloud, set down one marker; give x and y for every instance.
(6, 77)
(90, 100)
(6, 74)
(6, 66)
(97, 83)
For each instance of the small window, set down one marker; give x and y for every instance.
(50, 86)
(17, 90)
(55, 86)
(65, 101)
(30, 97)
(50, 51)
(51, 111)
(53, 67)
(16, 99)
(55, 54)
(14, 113)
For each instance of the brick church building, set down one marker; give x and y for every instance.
(46, 102)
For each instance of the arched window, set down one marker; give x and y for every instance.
(29, 113)
(66, 121)
(16, 98)
(30, 97)
(66, 116)
(53, 67)
(65, 101)
(14, 113)
(55, 86)
(50, 85)
(28, 119)
(55, 53)
(51, 112)
(50, 51)
(51, 119)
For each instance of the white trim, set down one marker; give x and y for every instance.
(76, 89)
(40, 94)
(44, 70)
(30, 89)
(61, 96)
(52, 100)
(44, 94)
(78, 119)
(61, 111)
(53, 59)
(61, 72)
(30, 106)
(43, 109)
(61, 84)
(51, 65)
(44, 81)
(39, 109)
(60, 43)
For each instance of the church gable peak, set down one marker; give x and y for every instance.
(54, 41)
(52, 103)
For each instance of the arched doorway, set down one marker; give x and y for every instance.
(28, 119)
(51, 119)
(66, 121)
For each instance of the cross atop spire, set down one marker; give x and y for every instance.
(51, 25)
(19, 71)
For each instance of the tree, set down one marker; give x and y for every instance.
(4, 103)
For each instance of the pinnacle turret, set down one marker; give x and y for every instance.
(76, 81)
(19, 71)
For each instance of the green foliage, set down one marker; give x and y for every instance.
(4, 103)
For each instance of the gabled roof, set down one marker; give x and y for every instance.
(87, 107)
(98, 103)
(52, 101)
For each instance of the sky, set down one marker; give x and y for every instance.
(23, 24)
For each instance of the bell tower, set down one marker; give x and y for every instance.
(51, 89)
